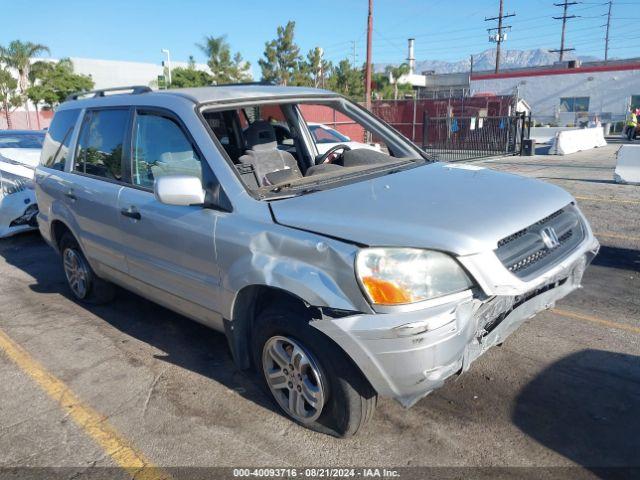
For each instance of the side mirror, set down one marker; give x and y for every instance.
(181, 190)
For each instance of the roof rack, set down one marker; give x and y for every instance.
(244, 84)
(135, 90)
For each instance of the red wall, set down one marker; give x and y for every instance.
(19, 120)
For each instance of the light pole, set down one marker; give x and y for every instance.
(168, 54)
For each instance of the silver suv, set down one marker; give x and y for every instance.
(364, 270)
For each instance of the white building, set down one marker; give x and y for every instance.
(116, 73)
(564, 93)
(561, 93)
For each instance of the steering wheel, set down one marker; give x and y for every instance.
(326, 156)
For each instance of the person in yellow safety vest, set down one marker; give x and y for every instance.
(632, 124)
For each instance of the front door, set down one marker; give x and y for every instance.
(167, 247)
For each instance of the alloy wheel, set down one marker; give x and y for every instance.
(294, 378)
(76, 272)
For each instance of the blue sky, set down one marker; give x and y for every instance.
(137, 30)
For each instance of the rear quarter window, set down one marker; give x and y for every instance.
(55, 150)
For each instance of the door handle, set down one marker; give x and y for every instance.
(131, 212)
(70, 195)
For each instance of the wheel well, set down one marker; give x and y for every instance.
(58, 229)
(249, 302)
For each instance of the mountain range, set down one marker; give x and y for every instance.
(486, 60)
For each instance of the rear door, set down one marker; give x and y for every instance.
(168, 247)
(97, 183)
(52, 176)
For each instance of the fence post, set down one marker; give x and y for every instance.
(425, 129)
(413, 124)
(523, 121)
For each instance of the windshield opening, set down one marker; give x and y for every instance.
(298, 147)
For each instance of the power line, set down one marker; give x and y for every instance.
(564, 19)
(499, 36)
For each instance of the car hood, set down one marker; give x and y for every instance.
(29, 157)
(19, 161)
(462, 209)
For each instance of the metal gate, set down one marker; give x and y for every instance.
(452, 138)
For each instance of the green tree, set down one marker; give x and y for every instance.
(282, 58)
(18, 55)
(37, 93)
(318, 68)
(225, 68)
(189, 77)
(9, 97)
(52, 85)
(394, 73)
(347, 80)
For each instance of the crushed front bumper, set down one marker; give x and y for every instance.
(18, 212)
(451, 332)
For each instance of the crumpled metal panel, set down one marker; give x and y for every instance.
(408, 368)
(318, 270)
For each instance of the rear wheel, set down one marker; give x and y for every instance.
(310, 378)
(84, 284)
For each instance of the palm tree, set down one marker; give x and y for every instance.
(218, 55)
(18, 55)
(224, 66)
(396, 73)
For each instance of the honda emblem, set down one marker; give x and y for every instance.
(550, 238)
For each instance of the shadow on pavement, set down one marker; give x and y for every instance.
(585, 407)
(619, 258)
(184, 342)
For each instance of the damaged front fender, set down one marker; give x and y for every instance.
(318, 270)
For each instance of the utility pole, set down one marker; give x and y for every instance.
(367, 73)
(564, 19)
(168, 54)
(471, 68)
(321, 68)
(500, 36)
(606, 38)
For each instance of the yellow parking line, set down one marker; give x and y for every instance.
(607, 200)
(93, 423)
(616, 235)
(601, 321)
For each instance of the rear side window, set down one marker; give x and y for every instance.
(99, 151)
(55, 150)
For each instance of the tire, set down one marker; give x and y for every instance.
(347, 399)
(85, 285)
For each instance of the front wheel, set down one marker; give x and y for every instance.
(310, 378)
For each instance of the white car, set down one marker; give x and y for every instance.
(19, 156)
(327, 138)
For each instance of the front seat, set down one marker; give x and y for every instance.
(270, 165)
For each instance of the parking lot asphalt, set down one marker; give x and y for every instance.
(131, 383)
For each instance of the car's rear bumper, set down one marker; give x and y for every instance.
(455, 331)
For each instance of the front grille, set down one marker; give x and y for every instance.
(525, 252)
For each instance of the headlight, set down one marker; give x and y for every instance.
(10, 186)
(395, 276)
